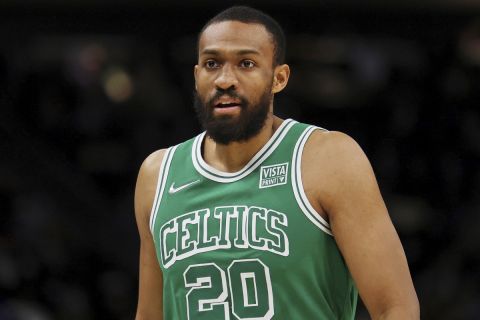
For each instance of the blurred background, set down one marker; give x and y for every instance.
(88, 89)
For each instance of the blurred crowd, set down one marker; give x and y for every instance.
(80, 110)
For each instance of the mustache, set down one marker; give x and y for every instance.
(227, 92)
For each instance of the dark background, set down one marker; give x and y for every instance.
(89, 89)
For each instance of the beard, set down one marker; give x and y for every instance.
(225, 129)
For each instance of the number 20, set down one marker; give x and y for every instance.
(250, 291)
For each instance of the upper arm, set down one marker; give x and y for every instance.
(150, 293)
(348, 193)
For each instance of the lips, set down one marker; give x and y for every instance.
(227, 102)
(227, 105)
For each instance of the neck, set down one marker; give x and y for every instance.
(235, 155)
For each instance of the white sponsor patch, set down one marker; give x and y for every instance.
(273, 175)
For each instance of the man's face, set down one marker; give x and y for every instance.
(234, 79)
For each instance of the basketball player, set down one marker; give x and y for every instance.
(260, 217)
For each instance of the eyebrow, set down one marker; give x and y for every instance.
(240, 52)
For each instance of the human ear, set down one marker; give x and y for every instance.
(195, 71)
(280, 77)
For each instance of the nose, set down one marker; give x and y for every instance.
(226, 78)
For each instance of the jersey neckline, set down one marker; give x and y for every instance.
(214, 174)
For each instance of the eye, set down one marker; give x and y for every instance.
(247, 64)
(211, 64)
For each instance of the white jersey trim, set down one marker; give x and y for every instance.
(162, 179)
(297, 184)
(226, 177)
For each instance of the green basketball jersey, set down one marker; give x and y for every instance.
(248, 244)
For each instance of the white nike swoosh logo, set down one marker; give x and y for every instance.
(173, 190)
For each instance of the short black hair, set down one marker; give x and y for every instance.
(250, 15)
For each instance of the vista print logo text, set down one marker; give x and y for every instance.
(273, 175)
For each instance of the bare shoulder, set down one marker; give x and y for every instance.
(153, 161)
(147, 184)
(149, 169)
(331, 162)
(332, 146)
(335, 151)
